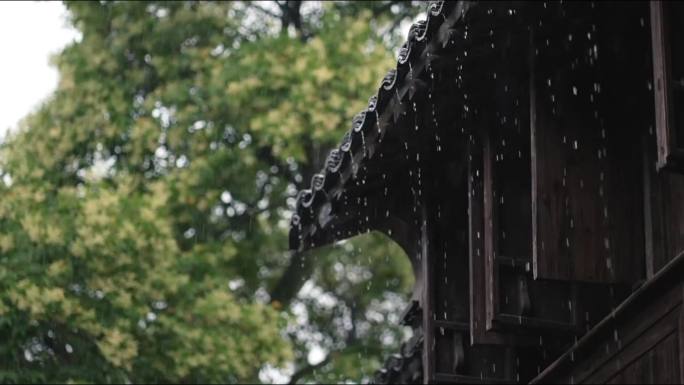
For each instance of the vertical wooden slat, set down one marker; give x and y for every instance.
(665, 365)
(476, 244)
(659, 45)
(649, 248)
(680, 332)
(427, 300)
(533, 156)
(491, 279)
(660, 217)
(478, 275)
(673, 190)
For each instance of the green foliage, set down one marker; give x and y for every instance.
(145, 205)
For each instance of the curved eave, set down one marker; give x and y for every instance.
(315, 206)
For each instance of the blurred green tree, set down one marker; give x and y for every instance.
(143, 224)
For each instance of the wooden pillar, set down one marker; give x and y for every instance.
(427, 304)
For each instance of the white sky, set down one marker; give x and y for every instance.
(29, 33)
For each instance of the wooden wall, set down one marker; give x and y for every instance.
(553, 157)
(564, 226)
(641, 342)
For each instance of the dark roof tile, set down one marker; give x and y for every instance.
(315, 206)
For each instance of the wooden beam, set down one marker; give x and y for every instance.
(661, 79)
(426, 302)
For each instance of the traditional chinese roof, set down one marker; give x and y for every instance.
(324, 210)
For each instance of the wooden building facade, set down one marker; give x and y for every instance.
(529, 159)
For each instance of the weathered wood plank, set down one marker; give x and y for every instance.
(658, 333)
(673, 193)
(628, 326)
(478, 286)
(427, 300)
(661, 80)
(680, 352)
(490, 240)
(584, 155)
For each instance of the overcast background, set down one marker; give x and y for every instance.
(29, 33)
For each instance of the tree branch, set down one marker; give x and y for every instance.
(265, 11)
(292, 279)
(350, 341)
(300, 266)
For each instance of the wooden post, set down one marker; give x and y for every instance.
(427, 305)
(665, 139)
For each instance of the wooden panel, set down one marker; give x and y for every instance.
(509, 153)
(664, 213)
(427, 303)
(496, 281)
(653, 226)
(639, 372)
(507, 298)
(648, 324)
(673, 200)
(649, 342)
(478, 275)
(661, 79)
(583, 162)
(676, 13)
(450, 246)
(500, 209)
(490, 239)
(662, 145)
(680, 332)
(656, 366)
(666, 361)
(668, 78)
(573, 240)
(621, 347)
